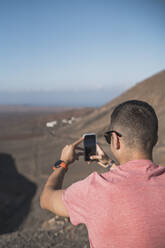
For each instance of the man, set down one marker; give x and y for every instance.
(124, 207)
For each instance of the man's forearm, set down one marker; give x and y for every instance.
(53, 183)
(55, 180)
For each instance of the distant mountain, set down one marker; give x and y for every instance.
(151, 90)
(72, 97)
(31, 109)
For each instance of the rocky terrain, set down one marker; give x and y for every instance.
(59, 234)
(28, 150)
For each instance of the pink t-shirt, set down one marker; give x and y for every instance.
(124, 207)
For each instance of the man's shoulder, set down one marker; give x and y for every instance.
(114, 176)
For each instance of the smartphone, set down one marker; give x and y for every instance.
(89, 145)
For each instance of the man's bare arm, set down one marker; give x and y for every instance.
(51, 197)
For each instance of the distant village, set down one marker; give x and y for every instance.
(63, 122)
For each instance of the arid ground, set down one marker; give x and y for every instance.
(28, 150)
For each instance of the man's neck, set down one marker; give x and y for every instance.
(135, 155)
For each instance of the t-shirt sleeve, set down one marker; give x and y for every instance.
(75, 199)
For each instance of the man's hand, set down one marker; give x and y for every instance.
(101, 157)
(69, 154)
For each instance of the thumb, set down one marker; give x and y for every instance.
(97, 157)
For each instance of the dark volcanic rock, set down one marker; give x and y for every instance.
(16, 193)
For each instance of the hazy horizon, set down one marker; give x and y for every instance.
(83, 98)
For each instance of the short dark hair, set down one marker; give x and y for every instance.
(138, 123)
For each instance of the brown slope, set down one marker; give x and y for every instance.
(151, 90)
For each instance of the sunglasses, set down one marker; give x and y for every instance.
(108, 135)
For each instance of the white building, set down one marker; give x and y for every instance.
(51, 123)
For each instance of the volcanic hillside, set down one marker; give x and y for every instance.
(151, 90)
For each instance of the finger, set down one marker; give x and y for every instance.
(79, 148)
(95, 157)
(103, 165)
(90, 162)
(77, 142)
(99, 149)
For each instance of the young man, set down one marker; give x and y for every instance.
(124, 207)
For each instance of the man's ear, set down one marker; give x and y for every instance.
(116, 141)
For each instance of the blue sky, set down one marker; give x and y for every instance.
(84, 45)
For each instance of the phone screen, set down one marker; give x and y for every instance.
(89, 146)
